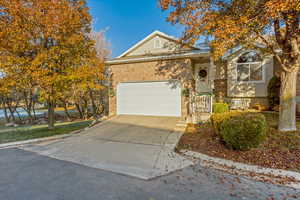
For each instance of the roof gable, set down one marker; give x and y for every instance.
(156, 42)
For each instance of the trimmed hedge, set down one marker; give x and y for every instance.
(240, 130)
(220, 108)
(218, 118)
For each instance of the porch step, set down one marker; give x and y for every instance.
(203, 117)
(180, 126)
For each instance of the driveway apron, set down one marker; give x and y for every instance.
(139, 146)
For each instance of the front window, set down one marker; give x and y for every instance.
(249, 67)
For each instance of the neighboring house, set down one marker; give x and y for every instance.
(152, 77)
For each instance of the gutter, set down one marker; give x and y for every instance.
(156, 58)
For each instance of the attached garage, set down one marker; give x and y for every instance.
(139, 78)
(159, 98)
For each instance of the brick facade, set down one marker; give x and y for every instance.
(140, 72)
(220, 91)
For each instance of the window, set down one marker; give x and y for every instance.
(249, 68)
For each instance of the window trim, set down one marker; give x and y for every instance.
(249, 63)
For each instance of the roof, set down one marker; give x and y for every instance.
(152, 35)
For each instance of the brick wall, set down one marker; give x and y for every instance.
(143, 71)
(220, 90)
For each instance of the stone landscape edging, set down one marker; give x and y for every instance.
(236, 166)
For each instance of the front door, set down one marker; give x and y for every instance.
(202, 78)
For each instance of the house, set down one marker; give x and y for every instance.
(160, 77)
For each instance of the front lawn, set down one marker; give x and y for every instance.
(280, 150)
(38, 131)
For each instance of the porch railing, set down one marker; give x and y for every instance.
(202, 103)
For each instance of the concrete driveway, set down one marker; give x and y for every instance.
(138, 146)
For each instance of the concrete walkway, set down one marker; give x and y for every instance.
(138, 146)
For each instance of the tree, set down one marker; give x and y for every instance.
(230, 23)
(87, 82)
(46, 40)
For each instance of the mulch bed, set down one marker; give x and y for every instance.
(280, 151)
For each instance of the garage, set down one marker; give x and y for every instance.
(149, 98)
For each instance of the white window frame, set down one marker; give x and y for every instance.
(249, 63)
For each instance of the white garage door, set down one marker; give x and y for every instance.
(149, 98)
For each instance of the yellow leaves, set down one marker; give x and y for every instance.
(276, 7)
(45, 44)
(165, 4)
(230, 23)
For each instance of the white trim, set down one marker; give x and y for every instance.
(146, 39)
(192, 54)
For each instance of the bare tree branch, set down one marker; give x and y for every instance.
(274, 52)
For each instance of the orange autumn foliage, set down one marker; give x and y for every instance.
(47, 44)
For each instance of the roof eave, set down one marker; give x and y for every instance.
(157, 58)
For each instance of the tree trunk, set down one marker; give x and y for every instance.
(33, 110)
(79, 110)
(6, 115)
(287, 112)
(85, 109)
(12, 114)
(51, 117)
(94, 107)
(18, 114)
(67, 111)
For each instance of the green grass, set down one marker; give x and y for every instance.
(38, 131)
(272, 119)
(286, 140)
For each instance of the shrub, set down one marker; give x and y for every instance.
(185, 92)
(218, 118)
(220, 107)
(244, 131)
(274, 92)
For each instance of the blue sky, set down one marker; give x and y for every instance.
(129, 21)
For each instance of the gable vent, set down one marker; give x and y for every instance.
(157, 43)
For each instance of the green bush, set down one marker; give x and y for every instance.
(218, 118)
(220, 107)
(274, 92)
(244, 131)
(185, 92)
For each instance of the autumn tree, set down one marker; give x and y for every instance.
(9, 99)
(89, 83)
(273, 24)
(46, 40)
